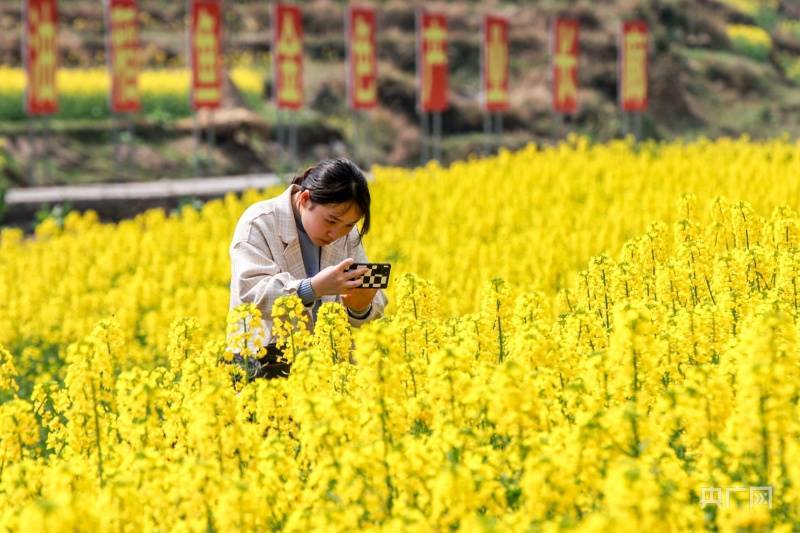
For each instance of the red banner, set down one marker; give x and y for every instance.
(123, 55)
(564, 72)
(206, 53)
(633, 66)
(287, 63)
(40, 51)
(495, 63)
(362, 61)
(432, 61)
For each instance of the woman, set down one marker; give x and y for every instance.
(302, 241)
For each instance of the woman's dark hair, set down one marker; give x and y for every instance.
(337, 181)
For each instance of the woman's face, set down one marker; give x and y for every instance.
(326, 223)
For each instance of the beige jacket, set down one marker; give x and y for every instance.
(266, 261)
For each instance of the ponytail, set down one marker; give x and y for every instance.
(299, 179)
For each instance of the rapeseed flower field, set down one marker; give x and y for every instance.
(83, 93)
(751, 40)
(584, 336)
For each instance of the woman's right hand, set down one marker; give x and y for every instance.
(334, 280)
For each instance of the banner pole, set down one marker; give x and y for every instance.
(279, 137)
(437, 134)
(40, 170)
(33, 140)
(115, 173)
(364, 144)
(39, 139)
(428, 137)
(487, 132)
(356, 135)
(638, 125)
(434, 137)
(196, 144)
(288, 138)
(363, 138)
(47, 156)
(499, 130)
(31, 152)
(211, 140)
(624, 123)
(559, 126)
(422, 138)
(293, 137)
(278, 126)
(131, 147)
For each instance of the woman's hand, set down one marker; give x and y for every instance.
(334, 280)
(358, 299)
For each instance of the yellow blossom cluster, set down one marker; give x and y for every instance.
(750, 40)
(583, 336)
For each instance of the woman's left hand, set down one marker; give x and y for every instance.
(358, 299)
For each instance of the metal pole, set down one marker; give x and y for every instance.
(196, 147)
(437, 136)
(423, 141)
(32, 153)
(115, 173)
(356, 135)
(293, 137)
(37, 152)
(131, 146)
(279, 137)
(637, 125)
(282, 133)
(40, 155)
(287, 138)
(211, 139)
(364, 137)
(46, 149)
(118, 171)
(558, 120)
(487, 131)
(499, 130)
(624, 123)
(40, 152)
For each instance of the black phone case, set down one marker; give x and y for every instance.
(376, 278)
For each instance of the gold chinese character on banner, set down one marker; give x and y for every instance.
(435, 36)
(205, 42)
(289, 48)
(43, 42)
(124, 40)
(634, 82)
(565, 61)
(497, 56)
(363, 50)
(123, 15)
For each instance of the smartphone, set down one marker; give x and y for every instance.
(377, 277)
